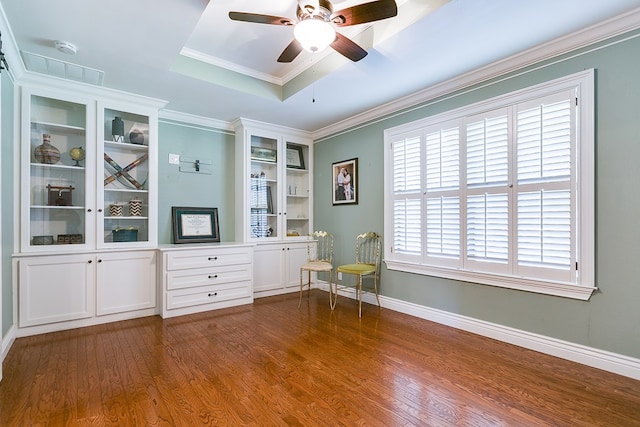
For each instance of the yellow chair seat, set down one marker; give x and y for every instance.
(357, 269)
(317, 266)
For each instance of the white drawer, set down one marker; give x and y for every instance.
(199, 258)
(180, 279)
(207, 295)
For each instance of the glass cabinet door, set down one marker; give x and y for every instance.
(125, 206)
(55, 173)
(297, 190)
(263, 189)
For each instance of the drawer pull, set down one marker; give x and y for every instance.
(214, 258)
(215, 276)
(212, 294)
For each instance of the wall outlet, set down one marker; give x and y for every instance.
(174, 159)
(339, 275)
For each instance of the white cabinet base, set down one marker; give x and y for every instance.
(58, 292)
(198, 278)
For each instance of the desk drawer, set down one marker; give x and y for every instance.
(208, 295)
(201, 258)
(181, 279)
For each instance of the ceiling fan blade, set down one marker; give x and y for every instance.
(290, 52)
(311, 7)
(366, 12)
(348, 48)
(260, 19)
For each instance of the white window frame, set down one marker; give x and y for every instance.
(581, 284)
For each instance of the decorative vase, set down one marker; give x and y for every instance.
(135, 207)
(117, 129)
(46, 153)
(136, 137)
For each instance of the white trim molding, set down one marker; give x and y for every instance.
(563, 45)
(578, 353)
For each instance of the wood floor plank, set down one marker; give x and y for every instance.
(273, 364)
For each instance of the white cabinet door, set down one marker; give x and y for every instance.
(267, 268)
(296, 256)
(276, 268)
(55, 289)
(126, 281)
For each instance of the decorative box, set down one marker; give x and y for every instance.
(69, 239)
(125, 235)
(60, 196)
(42, 240)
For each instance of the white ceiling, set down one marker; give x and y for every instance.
(189, 53)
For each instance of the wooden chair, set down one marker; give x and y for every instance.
(367, 264)
(319, 259)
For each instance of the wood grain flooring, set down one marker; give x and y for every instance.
(270, 364)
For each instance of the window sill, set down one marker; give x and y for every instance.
(565, 290)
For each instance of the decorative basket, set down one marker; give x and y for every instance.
(116, 209)
(69, 239)
(125, 235)
(135, 207)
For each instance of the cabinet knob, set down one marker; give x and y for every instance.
(90, 261)
(212, 294)
(213, 258)
(89, 210)
(99, 260)
(215, 276)
(99, 210)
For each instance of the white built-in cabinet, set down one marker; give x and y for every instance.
(274, 201)
(88, 207)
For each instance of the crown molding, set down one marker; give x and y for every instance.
(579, 39)
(9, 47)
(185, 118)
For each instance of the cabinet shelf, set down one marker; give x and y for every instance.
(57, 128)
(57, 166)
(125, 146)
(57, 207)
(122, 217)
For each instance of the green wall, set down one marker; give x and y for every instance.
(611, 318)
(6, 197)
(213, 187)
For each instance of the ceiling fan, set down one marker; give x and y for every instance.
(314, 29)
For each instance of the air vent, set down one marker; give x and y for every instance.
(65, 70)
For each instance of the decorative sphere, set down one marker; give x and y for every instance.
(77, 153)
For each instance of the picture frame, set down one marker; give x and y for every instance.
(195, 224)
(295, 158)
(264, 154)
(345, 178)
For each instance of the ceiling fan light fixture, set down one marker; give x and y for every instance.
(314, 34)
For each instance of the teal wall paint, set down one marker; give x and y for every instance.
(610, 320)
(177, 188)
(6, 198)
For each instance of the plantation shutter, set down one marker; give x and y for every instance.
(442, 178)
(545, 237)
(487, 201)
(407, 215)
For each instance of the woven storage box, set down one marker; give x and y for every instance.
(125, 235)
(135, 207)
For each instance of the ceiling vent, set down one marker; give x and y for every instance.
(65, 70)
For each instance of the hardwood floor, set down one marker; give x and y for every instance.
(270, 364)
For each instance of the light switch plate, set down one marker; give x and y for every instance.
(174, 159)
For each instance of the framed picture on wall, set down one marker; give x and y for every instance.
(195, 225)
(345, 179)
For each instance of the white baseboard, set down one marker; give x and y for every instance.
(7, 342)
(596, 358)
